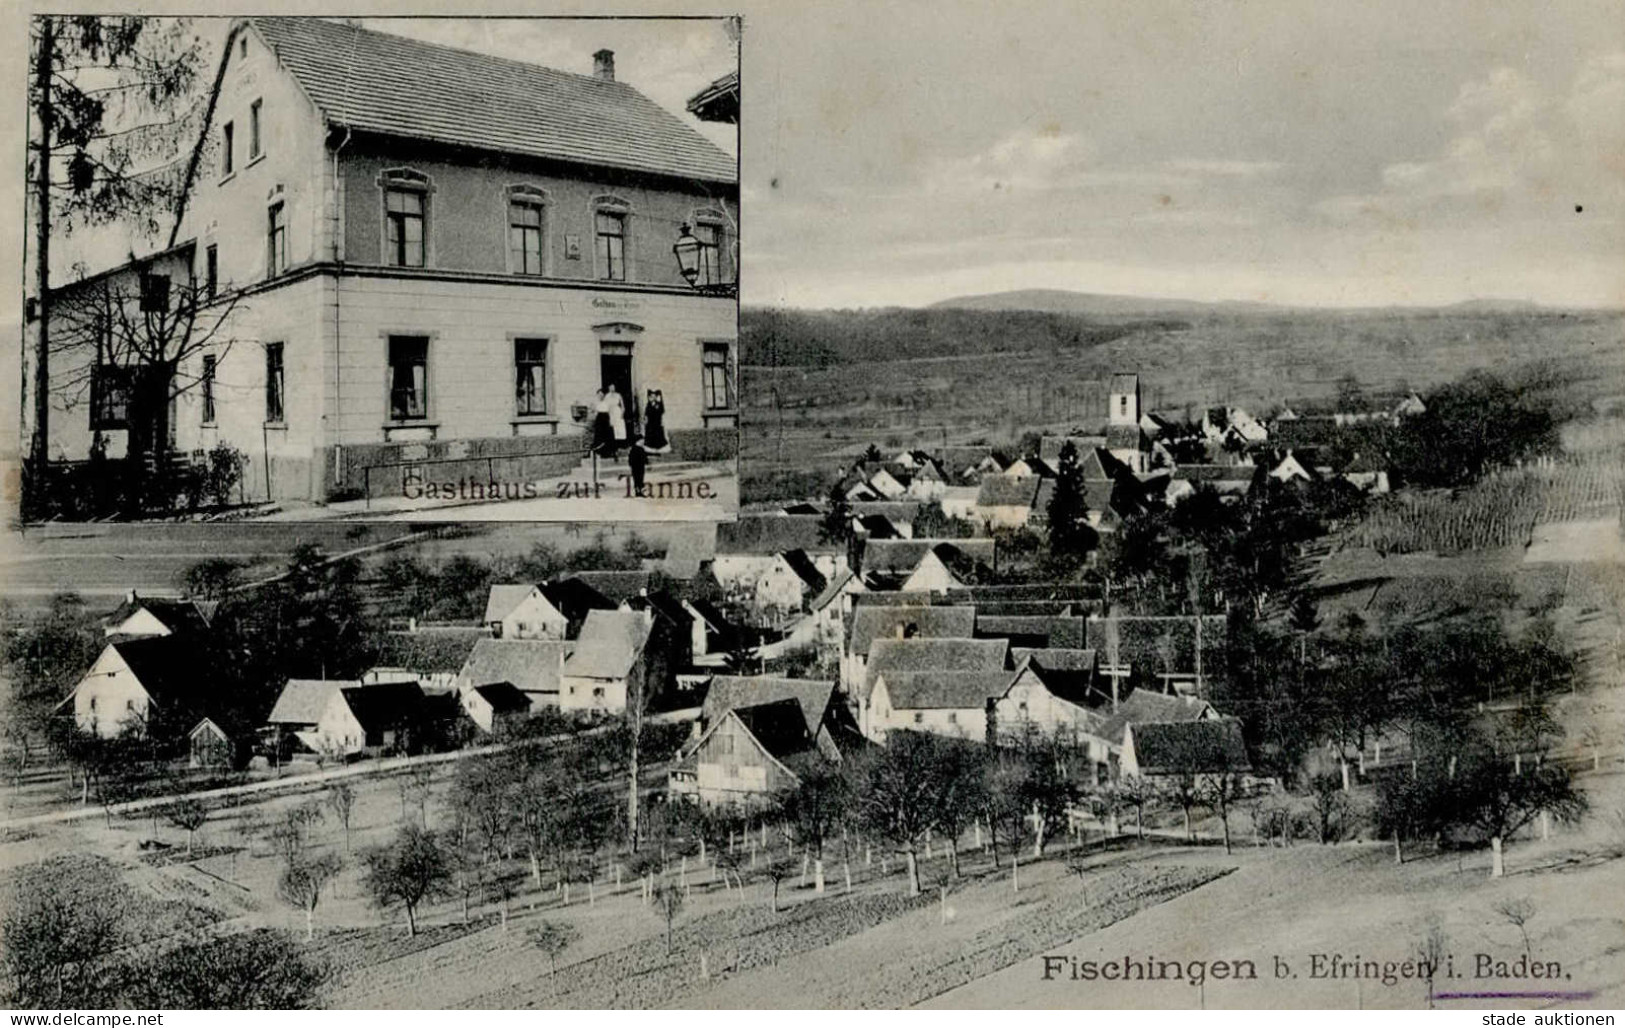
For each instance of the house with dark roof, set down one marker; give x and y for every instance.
(371, 719)
(872, 622)
(494, 706)
(1053, 694)
(149, 616)
(761, 741)
(951, 703)
(498, 235)
(1104, 739)
(137, 684)
(574, 597)
(897, 563)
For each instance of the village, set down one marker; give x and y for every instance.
(913, 670)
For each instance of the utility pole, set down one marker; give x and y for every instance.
(44, 116)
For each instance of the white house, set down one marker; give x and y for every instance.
(369, 718)
(523, 612)
(607, 665)
(147, 616)
(533, 666)
(135, 681)
(494, 706)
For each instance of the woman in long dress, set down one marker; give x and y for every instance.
(617, 417)
(603, 436)
(654, 423)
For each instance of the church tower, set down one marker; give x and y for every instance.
(1124, 399)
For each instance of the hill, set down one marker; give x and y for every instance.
(1100, 305)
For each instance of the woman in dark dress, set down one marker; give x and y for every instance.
(654, 423)
(603, 433)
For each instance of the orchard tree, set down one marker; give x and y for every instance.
(409, 870)
(551, 939)
(1498, 800)
(256, 970)
(302, 882)
(64, 918)
(188, 814)
(898, 794)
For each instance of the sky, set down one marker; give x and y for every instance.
(1316, 153)
(1339, 154)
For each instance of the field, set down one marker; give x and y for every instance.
(801, 417)
(874, 946)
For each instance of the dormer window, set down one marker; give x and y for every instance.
(406, 218)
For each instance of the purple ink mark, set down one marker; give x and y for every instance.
(1552, 994)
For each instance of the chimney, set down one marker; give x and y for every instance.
(129, 597)
(603, 65)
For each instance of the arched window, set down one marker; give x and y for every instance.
(527, 230)
(406, 217)
(612, 218)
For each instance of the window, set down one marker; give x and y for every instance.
(242, 46)
(211, 271)
(919, 718)
(274, 382)
(612, 245)
(710, 256)
(1122, 405)
(254, 129)
(716, 384)
(93, 703)
(227, 133)
(524, 236)
(276, 243)
(530, 374)
(408, 377)
(953, 717)
(403, 228)
(208, 389)
(110, 396)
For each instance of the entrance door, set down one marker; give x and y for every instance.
(615, 367)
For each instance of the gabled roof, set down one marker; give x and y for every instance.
(728, 692)
(1067, 673)
(718, 101)
(373, 82)
(1124, 382)
(503, 599)
(440, 651)
(831, 591)
(1143, 706)
(945, 690)
(1000, 491)
(892, 655)
(167, 667)
(805, 570)
(386, 705)
(615, 585)
(900, 511)
(302, 700)
(778, 727)
(530, 665)
(504, 697)
(662, 602)
(879, 527)
(1196, 747)
(182, 617)
(902, 556)
(917, 622)
(574, 597)
(610, 644)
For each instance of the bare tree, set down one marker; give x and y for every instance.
(1518, 914)
(667, 897)
(898, 793)
(341, 801)
(1219, 792)
(552, 938)
(302, 882)
(188, 814)
(63, 919)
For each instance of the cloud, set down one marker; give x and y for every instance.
(1027, 160)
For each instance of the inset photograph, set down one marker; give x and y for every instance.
(433, 269)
